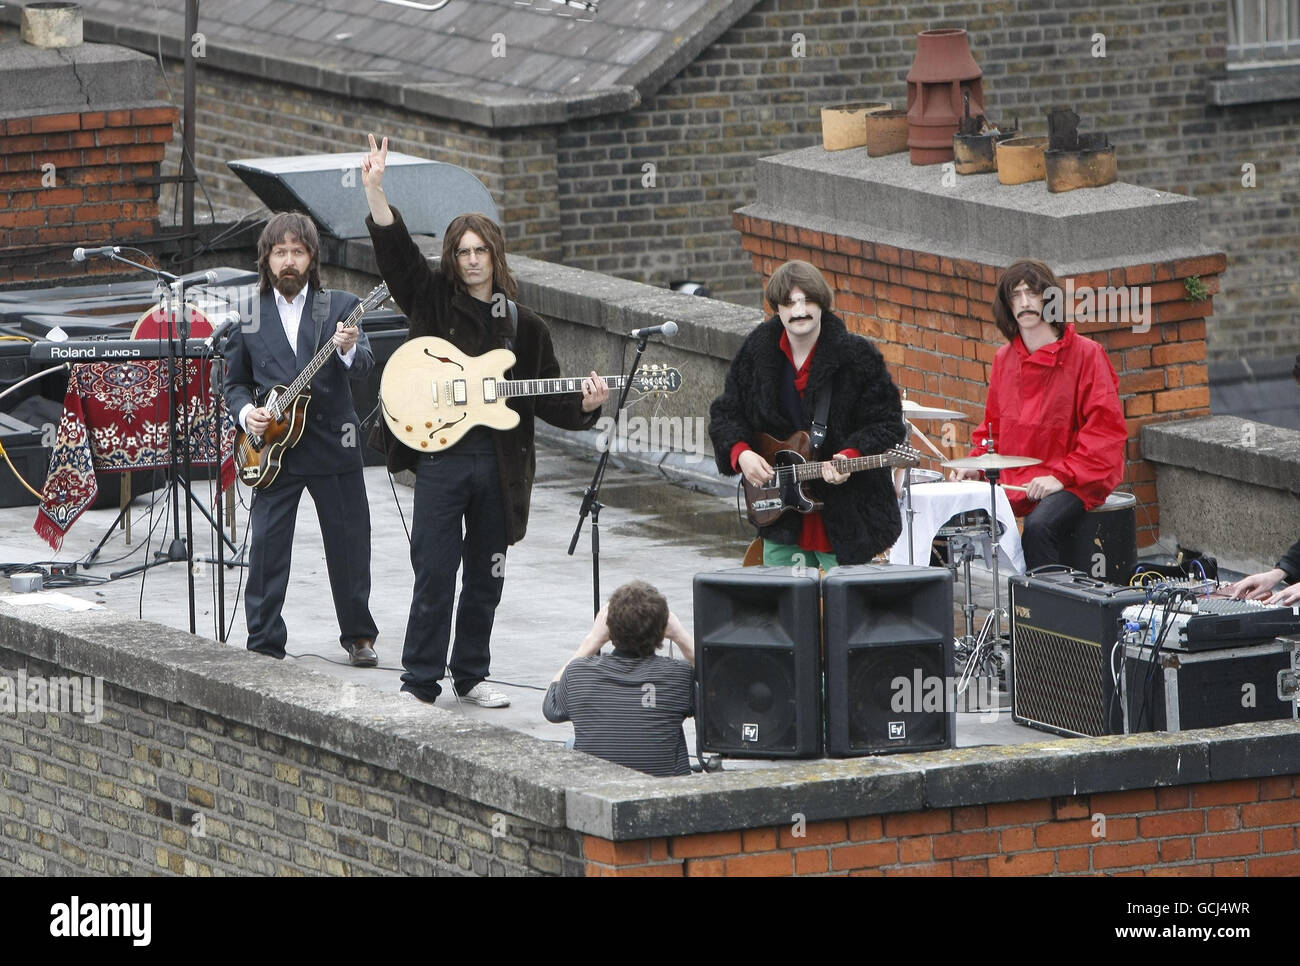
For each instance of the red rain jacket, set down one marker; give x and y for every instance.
(1060, 404)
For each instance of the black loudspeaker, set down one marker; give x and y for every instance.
(328, 188)
(888, 660)
(1064, 626)
(758, 663)
(387, 330)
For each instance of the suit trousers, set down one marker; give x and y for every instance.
(344, 513)
(459, 521)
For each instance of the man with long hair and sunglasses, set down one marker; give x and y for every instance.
(296, 318)
(471, 501)
(1053, 395)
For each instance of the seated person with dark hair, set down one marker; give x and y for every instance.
(628, 706)
(1260, 586)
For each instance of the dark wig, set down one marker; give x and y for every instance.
(801, 275)
(1039, 278)
(487, 229)
(287, 224)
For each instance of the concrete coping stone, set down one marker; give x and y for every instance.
(974, 217)
(1228, 446)
(557, 788)
(707, 326)
(68, 80)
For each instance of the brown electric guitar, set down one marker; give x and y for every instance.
(789, 459)
(258, 456)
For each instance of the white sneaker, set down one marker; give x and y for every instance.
(485, 696)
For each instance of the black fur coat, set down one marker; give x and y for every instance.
(861, 515)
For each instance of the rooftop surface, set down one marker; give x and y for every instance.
(650, 529)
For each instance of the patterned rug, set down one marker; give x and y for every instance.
(115, 420)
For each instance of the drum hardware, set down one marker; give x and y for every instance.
(909, 475)
(912, 410)
(985, 652)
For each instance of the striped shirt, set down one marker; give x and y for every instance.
(628, 710)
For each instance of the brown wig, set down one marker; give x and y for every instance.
(637, 617)
(803, 276)
(288, 224)
(1039, 278)
(487, 229)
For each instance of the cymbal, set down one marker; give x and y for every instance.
(914, 410)
(991, 461)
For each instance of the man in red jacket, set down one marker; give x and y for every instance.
(1053, 395)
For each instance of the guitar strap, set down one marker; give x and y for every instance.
(822, 408)
(514, 323)
(320, 311)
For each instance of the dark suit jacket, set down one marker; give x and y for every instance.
(259, 357)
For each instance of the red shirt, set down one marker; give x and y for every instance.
(813, 536)
(1061, 405)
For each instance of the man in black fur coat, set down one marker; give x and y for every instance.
(772, 387)
(482, 485)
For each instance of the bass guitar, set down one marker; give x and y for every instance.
(258, 456)
(789, 461)
(432, 394)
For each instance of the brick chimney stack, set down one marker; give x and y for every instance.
(81, 136)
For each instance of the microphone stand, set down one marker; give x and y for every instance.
(180, 548)
(591, 498)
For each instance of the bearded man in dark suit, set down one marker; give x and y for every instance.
(295, 319)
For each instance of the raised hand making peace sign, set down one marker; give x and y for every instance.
(373, 166)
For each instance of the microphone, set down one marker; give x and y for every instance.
(229, 322)
(667, 330)
(81, 254)
(195, 278)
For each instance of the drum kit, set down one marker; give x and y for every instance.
(980, 655)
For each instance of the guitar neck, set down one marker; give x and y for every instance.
(813, 471)
(548, 387)
(285, 401)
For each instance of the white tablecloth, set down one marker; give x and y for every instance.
(937, 503)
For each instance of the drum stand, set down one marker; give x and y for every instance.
(985, 655)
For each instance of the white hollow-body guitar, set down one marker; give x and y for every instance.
(432, 394)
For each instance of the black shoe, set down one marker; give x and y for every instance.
(361, 653)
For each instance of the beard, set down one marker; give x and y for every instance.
(289, 283)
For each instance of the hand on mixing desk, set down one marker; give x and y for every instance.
(1258, 586)
(1287, 596)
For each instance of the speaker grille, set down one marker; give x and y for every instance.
(922, 697)
(1058, 681)
(750, 694)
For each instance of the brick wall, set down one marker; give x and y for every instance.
(932, 320)
(129, 796)
(1232, 828)
(267, 119)
(578, 196)
(94, 192)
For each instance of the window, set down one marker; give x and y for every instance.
(1263, 33)
(1263, 55)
